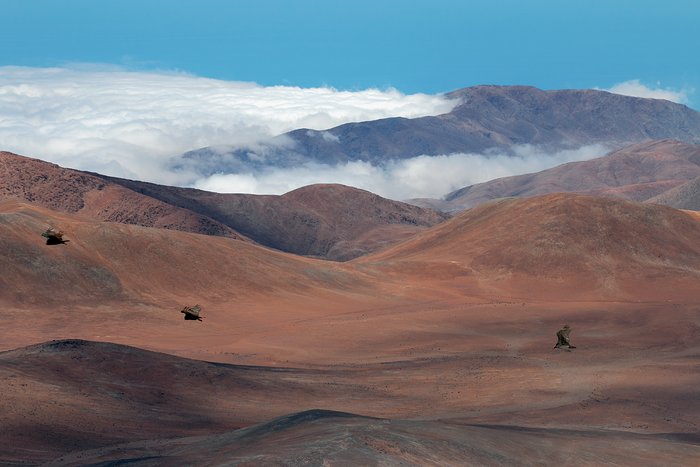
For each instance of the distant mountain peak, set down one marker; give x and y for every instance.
(488, 117)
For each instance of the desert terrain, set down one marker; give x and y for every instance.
(437, 350)
(658, 171)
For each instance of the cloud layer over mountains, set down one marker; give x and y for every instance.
(125, 123)
(130, 124)
(417, 177)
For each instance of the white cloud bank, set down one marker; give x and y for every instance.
(127, 124)
(417, 177)
(635, 88)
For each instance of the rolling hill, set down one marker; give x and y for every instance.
(685, 196)
(329, 221)
(466, 311)
(73, 191)
(437, 349)
(146, 408)
(321, 437)
(579, 245)
(115, 263)
(638, 172)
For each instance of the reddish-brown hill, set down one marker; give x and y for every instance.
(564, 242)
(637, 172)
(66, 396)
(686, 196)
(351, 222)
(466, 311)
(321, 437)
(331, 221)
(128, 263)
(73, 191)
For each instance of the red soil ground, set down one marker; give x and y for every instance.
(455, 325)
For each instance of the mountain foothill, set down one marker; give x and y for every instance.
(343, 327)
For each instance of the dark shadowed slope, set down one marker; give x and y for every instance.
(586, 245)
(334, 438)
(72, 395)
(637, 172)
(330, 221)
(69, 395)
(487, 117)
(686, 196)
(73, 191)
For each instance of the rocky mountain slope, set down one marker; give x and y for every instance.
(73, 191)
(638, 172)
(487, 117)
(329, 221)
(685, 196)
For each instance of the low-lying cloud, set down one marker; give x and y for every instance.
(635, 88)
(417, 177)
(131, 124)
(126, 123)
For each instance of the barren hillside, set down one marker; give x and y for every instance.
(637, 172)
(685, 196)
(579, 244)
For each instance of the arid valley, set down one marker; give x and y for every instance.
(432, 345)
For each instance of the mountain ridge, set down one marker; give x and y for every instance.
(74, 191)
(570, 242)
(685, 196)
(331, 221)
(295, 222)
(637, 172)
(487, 118)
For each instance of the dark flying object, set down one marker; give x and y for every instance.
(192, 312)
(54, 237)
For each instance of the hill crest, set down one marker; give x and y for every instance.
(583, 244)
(637, 172)
(487, 118)
(327, 221)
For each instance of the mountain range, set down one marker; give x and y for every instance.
(330, 221)
(486, 118)
(339, 222)
(639, 172)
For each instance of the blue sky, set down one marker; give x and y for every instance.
(415, 46)
(122, 87)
